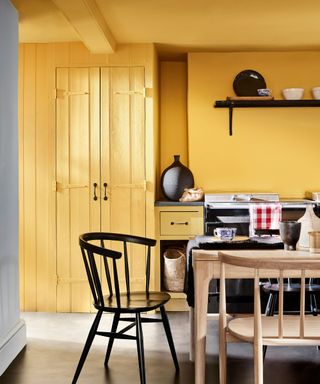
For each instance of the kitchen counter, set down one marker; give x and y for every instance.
(164, 203)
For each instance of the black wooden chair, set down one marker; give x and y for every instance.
(107, 274)
(291, 287)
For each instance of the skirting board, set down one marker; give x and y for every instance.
(12, 344)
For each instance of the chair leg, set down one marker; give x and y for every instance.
(222, 357)
(258, 363)
(269, 312)
(313, 304)
(111, 339)
(274, 304)
(167, 329)
(87, 346)
(269, 305)
(140, 348)
(314, 308)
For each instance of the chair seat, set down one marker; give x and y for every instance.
(290, 288)
(135, 302)
(242, 328)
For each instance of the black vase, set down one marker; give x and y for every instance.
(175, 179)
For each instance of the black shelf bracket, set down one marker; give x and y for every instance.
(230, 119)
(231, 104)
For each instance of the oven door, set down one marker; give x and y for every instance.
(227, 216)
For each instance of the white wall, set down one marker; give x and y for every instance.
(12, 329)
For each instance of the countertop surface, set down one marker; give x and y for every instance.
(282, 201)
(163, 203)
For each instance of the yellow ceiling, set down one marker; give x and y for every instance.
(182, 25)
(41, 21)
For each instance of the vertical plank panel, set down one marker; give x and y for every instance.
(29, 222)
(79, 132)
(79, 55)
(152, 151)
(42, 170)
(138, 161)
(105, 155)
(62, 170)
(61, 54)
(120, 170)
(21, 177)
(51, 177)
(105, 147)
(94, 149)
(95, 207)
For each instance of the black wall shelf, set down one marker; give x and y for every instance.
(231, 104)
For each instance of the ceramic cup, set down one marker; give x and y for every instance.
(316, 93)
(264, 91)
(290, 233)
(225, 233)
(314, 242)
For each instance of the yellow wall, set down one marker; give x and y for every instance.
(273, 149)
(173, 112)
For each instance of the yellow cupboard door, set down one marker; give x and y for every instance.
(123, 158)
(77, 179)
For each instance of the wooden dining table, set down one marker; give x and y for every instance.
(206, 266)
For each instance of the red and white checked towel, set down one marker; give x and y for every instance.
(264, 216)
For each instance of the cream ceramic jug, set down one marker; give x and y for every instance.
(309, 222)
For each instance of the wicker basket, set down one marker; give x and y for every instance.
(174, 269)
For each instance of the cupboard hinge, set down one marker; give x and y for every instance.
(146, 92)
(62, 93)
(141, 185)
(68, 280)
(58, 187)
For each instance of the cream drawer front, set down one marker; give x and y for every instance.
(187, 223)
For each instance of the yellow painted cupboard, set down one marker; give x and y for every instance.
(100, 168)
(88, 135)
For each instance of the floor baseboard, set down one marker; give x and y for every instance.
(12, 344)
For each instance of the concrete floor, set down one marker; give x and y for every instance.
(55, 342)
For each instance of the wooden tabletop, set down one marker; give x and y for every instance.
(212, 255)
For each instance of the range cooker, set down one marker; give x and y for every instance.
(232, 209)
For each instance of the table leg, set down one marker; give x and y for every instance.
(202, 278)
(192, 334)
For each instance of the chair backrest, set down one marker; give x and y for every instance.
(106, 274)
(300, 266)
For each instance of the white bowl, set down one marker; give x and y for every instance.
(316, 93)
(293, 93)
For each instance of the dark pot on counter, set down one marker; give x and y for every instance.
(175, 179)
(290, 233)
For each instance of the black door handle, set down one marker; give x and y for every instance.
(94, 191)
(105, 191)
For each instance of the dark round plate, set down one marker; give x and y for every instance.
(247, 82)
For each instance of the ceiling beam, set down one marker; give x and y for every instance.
(87, 20)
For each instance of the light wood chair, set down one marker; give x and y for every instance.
(261, 330)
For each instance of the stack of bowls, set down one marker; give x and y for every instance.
(316, 93)
(293, 93)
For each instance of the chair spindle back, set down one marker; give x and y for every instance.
(299, 266)
(109, 271)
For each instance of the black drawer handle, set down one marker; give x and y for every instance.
(179, 223)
